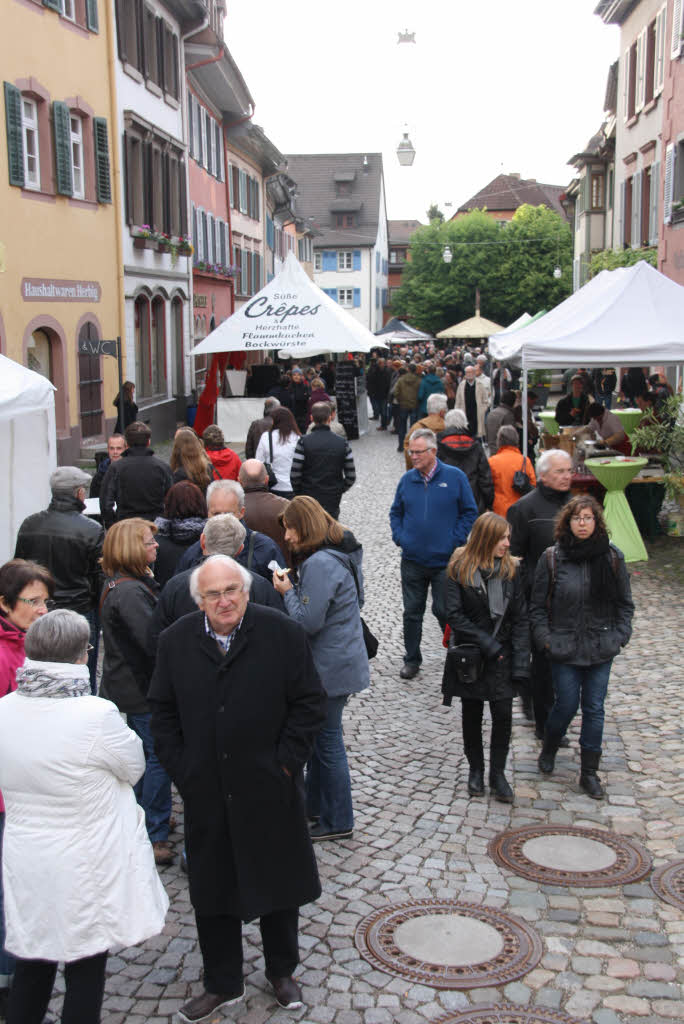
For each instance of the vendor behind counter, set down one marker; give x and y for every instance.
(609, 428)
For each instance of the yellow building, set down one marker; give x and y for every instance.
(60, 284)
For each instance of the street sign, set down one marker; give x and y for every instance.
(88, 347)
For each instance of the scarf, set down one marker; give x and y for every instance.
(490, 581)
(53, 679)
(596, 551)
(183, 531)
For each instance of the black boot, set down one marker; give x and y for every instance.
(499, 786)
(476, 780)
(589, 780)
(546, 761)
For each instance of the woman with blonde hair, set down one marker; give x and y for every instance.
(326, 600)
(128, 601)
(486, 611)
(189, 461)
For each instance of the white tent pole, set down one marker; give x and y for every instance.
(524, 403)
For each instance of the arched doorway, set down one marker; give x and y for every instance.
(89, 383)
(39, 354)
(177, 347)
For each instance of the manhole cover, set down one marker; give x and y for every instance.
(505, 1014)
(569, 855)
(447, 944)
(667, 882)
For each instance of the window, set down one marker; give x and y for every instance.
(129, 26)
(677, 28)
(29, 131)
(77, 173)
(150, 346)
(344, 262)
(68, 9)
(627, 214)
(150, 46)
(345, 296)
(318, 262)
(345, 220)
(155, 178)
(596, 191)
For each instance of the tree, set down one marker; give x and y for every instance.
(512, 263)
(435, 214)
(611, 259)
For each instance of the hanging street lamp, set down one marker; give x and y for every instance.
(447, 255)
(406, 154)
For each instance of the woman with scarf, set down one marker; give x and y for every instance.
(581, 614)
(181, 525)
(326, 601)
(79, 871)
(486, 608)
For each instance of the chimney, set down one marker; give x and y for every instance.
(514, 174)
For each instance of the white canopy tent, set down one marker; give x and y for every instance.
(293, 315)
(28, 447)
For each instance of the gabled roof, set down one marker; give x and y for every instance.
(507, 192)
(400, 231)
(318, 175)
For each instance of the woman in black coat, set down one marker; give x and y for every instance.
(130, 409)
(457, 448)
(486, 608)
(185, 514)
(581, 612)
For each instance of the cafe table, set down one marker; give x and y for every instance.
(615, 474)
(548, 418)
(629, 418)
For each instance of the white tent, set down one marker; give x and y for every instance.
(28, 447)
(293, 315)
(633, 316)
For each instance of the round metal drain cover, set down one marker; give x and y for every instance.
(507, 1014)
(569, 855)
(667, 882)
(447, 944)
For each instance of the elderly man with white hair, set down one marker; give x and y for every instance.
(532, 520)
(234, 721)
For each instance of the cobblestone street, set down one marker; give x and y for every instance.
(612, 955)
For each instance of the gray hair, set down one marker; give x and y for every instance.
(270, 404)
(436, 402)
(61, 636)
(223, 535)
(545, 460)
(507, 435)
(456, 418)
(427, 435)
(225, 560)
(230, 487)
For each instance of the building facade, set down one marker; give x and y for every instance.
(399, 232)
(59, 289)
(503, 195)
(671, 242)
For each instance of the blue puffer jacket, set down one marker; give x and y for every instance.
(325, 603)
(429, 520)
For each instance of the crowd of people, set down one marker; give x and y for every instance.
(202, 573)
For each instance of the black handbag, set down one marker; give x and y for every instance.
(521, 481)
(272, 478)
(466, 661)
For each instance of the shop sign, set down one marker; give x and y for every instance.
(52, 289)
(199, 301)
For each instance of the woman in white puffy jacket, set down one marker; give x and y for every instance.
(78, 868)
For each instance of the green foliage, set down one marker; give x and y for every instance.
(665, 435)
(435, 214)
(611, 259)
(511, 263)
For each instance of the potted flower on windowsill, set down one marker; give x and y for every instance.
(143, 236)
(200, 265)
(163, 241)
(184, 246)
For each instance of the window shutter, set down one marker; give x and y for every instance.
(205, 237)
(219, 151)
(357, 298)
(669, 183)
(659, 69)
(636, 210)
(54, 5)
(641, 71)
(120, 36)
(235, 191)
(676, 29)
(356, 259)
(211, 239)
(653, 204)
(182, 196)
(194, 231)
(377, 298)
(257, 215)
(331, 293)
(203, 135)
(269, 231)
(15, 139)
(102, 175)
(243, 192)
(62, 130)
(329, 259)
(222, 243)
(191, 111)
(621, 223)
(625, 85)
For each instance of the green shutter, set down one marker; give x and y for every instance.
(54, 5)
(62, 129)
(102, 175)
(92, 19)
(15, 141)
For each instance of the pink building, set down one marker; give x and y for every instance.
(671, 245)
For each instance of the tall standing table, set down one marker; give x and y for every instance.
(629, 418)
(615, 474)
(548, 418)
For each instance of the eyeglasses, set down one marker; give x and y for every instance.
(582, 519)
(38, 602)
(214, 596)
(418, 451)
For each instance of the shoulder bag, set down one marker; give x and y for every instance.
(466, 659)
(268, 466)
(521, 481)
(370, 641)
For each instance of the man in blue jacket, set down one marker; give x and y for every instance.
(432, 513)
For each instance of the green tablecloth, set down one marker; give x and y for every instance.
(548, 418)
(629, 418)
(615, 474)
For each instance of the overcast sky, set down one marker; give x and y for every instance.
(490, 86)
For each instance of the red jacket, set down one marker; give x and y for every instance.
(11, 658)
(226, 462)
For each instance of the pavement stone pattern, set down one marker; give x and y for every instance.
(611, 956)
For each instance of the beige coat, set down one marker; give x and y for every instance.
(481, 401)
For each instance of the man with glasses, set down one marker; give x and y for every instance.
(432, 513)
(70, 545)
(234, 721)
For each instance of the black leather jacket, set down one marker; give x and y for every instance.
(137, 484)
(70, 546)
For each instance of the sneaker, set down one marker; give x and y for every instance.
(318, 833)
(287, 992)
(163, 854)
(203, 1007)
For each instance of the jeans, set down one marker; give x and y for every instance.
(33, 983)
(402, 425)
(415, 580)
(93, 618)
(153, 790)
(220, 940)
(328, 785)
(572, 683)
(6, 959)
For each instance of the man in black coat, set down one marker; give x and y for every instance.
(378, 383)
(137, 483)
(234, 723)
(323, 464)
(532, 520)
(573, 409)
